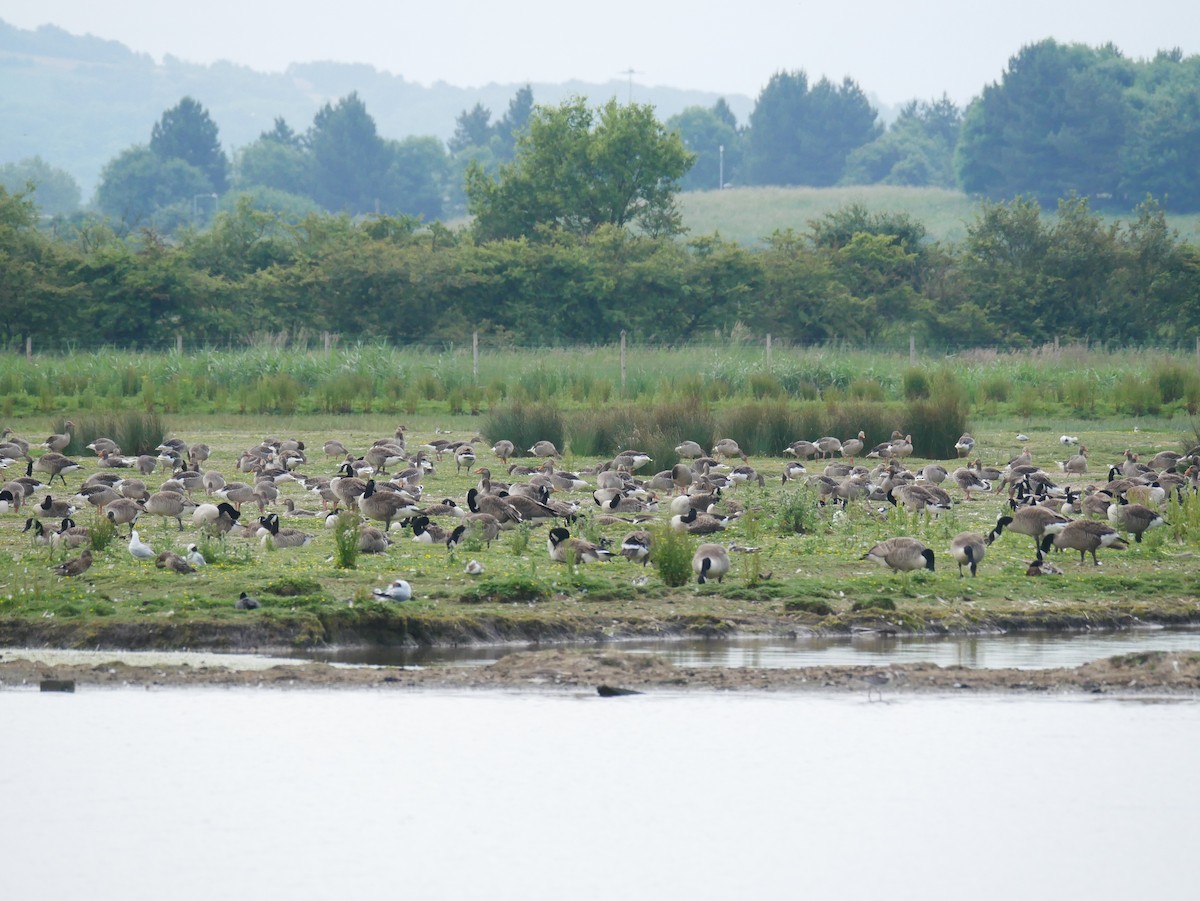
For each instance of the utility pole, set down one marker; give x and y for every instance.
(630, 72)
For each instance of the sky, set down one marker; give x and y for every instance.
(895, 51)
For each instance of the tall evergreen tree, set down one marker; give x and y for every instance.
(186, 132)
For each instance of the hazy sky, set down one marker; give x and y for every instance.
(894, 50)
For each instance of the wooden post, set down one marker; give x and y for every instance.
(768, 352)
(326, 337)
(179, 343)
(1056, 345)
(1198, 351)
(912, 349)
(622, 362)
(29, 348)
(475, 356)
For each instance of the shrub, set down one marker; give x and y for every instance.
(1137, 397)
(915, 383)
(136, 433)
(872, 604)
(809, 605)
(797, 511)
(524, 425)
(345, 541)
(672, 556)
(515, 589)
(994, 388)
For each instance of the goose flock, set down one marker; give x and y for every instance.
(391, 488)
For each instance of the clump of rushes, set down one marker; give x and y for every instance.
(345, 541)
(672, 555)
(797, 511)
(101, 532)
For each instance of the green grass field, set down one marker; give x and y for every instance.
(307, 598)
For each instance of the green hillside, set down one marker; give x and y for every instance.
(749, 215)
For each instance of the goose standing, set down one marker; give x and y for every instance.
(52, 463)
(1134, 518)
(59, 443)
(852, 447)
(689, 450)
(710, 561)
(1036, 522)
(965, 445)
(544, 449)
(967, 549)
(727, 447)
(503, 449)
(635, 547)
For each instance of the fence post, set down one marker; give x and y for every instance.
(912, 349)
(326, 337)
(622, 362)
(179, 343)
(768, 352)
(29, 348)
(475, 357)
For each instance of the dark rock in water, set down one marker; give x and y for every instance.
(609, 691)
(67, 685)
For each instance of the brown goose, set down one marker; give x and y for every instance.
(852, 447)
(168, 505)
(901, 555)
(58, 443)
(503, 449)
(54, 464)
(499, 508)
(1086, 536)
(76, 565)
(1134, 518)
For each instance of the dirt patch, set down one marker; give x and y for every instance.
(1176, 674)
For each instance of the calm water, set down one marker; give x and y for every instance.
(1020, 651)
(239, 794)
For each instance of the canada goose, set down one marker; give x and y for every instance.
(52, 463)
(10, 500)
(697, 523)
(544, 449)
(1134, 518)
(428, 532)
(689, 450)
(40, 535)
(194, 557)
(76, 565)
(168, 505)
(727, 447)
(503, 449)
(247, 602)
(529, 509)
(636, 547)
(965, 445)
(58, 443)
(1036, 522)
(709, 561)
(53, 509)
(175, 563)
(372, 540)
(397, 590)
(564, 548)
(282, 537)
(1086, 536)
(505, 514)
(70, 535)
(901, 555)
(123, 512)
(967, 548)
(138, 549)
(852, 447)
(1077, 464)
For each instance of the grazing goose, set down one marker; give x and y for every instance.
(198, 453)
(746, 473)
(635, 547)
(967, 478)
(53, 509)
(561, 479)
(792, 470)
(175, 563)
(138, 549)
(1165, 460)
(965, 445)
(123, 512)
(967, 549)
(727, 447)
(103, 446)
(564, 548)
(53, 464)
(805, 449)
(278, 537)
(76, 565)
(58, 443)
(484, 525)
(901, 555)
(1086, 536)
(335, 448)
(505, 514)
(381, 456)
(710, 561)
(503, 449)
(40, 535)
(933, 473)
(1036, 522)
(397, 590)
(1134, 518)
(168, 505)
(246, 602)
(237, 493)
(689, 450)
(545, 449)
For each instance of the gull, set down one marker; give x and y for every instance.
(399, 590)
(139, 549)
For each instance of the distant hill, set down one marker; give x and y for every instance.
(78, 101)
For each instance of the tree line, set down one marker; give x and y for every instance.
(1062, 119)
(1019, 278)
